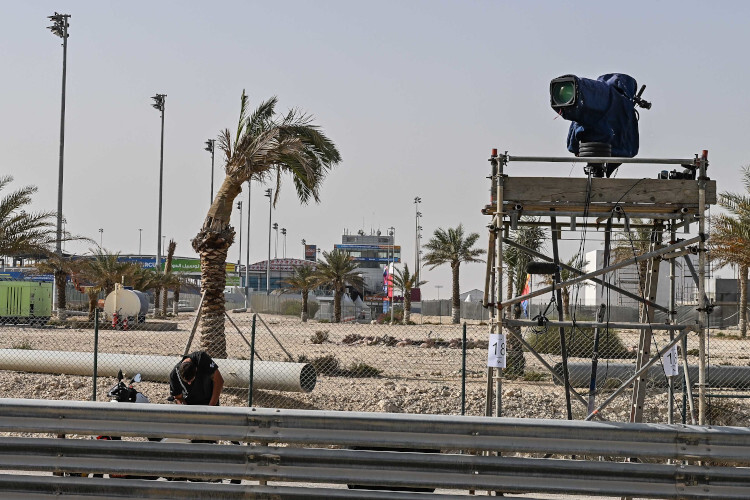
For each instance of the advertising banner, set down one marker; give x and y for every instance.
(311, 252)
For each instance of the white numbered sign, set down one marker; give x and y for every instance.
(496, 351)
(669, 361)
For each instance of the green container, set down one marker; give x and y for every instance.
(25, 302)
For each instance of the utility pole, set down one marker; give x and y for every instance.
(239, 257)
(269, 194)
(247, 248)
(60, 28)
(417, 201)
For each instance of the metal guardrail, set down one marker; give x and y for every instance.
(323, 464)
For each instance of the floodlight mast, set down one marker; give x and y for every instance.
(60, 28)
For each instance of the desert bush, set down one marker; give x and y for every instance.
(319, 337)
(24, 344)
(580, 343)
(330, 365)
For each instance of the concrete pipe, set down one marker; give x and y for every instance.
(270, 375)
(718, 377)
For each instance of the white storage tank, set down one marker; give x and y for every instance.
(126, 303)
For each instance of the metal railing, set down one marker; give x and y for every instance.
(317, 447)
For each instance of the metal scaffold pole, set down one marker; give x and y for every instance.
(703, 301)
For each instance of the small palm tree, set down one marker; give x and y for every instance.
(264, 147)
(61, 267)
(515, 261)
(336, 270)
(21, 232)
(104, 269)
(730, 239)
(405, 281)
(303, 281)
(452, 247)
(565, 275)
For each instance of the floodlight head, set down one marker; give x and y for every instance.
(210, 145)
(159, 101)
(275, 225)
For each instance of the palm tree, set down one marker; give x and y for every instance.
(303, 281)
(338, 269)
(21, 232)
(61, 267)
(452, 247)
(730, 239)
(565, 275)
(515, 261)
(405, 281)
(104, 269)
(264, 147)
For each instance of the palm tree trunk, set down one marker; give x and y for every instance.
(565, 293)
(456, 302)
(60, 284)
(509, 288)
(176, 300)
(157, 302)
(164, 300)
(93, 299)
(212, 243)
(407, 306)
(743, 300)
(304, 306)
(337, 306)
(213, 281)
(515, 362)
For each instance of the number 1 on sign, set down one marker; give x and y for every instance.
(669, 361)
(496, 351)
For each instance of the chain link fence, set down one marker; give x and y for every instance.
(367, 364)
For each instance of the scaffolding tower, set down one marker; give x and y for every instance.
(670, 204)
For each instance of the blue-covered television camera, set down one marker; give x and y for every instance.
(603, 115)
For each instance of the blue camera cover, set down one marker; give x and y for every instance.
(604, 111)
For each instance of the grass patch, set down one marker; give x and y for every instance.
(580, 343)
(24, 344)
(532, 376)
(330, 365)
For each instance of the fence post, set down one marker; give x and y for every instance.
(96, 350)
(463, 372)
(252, 362)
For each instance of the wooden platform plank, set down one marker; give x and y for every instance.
(564, 190)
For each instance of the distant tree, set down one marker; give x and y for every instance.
(264, 147)
(730, 239)
(452, 247)
(336, 270)
(405, 281)
(304, 280)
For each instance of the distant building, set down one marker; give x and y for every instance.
(372, 253)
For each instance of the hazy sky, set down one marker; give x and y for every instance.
(414, 93)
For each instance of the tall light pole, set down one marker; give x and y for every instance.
(276, 243)
(101, 236)
(239, 257)
(159, 101)
(247, 247)
(140, 239)
(210, 148)
(283, 233)
(60, 28)
(304, 249)
(269, 194)
(417, 201)
(392, 234)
